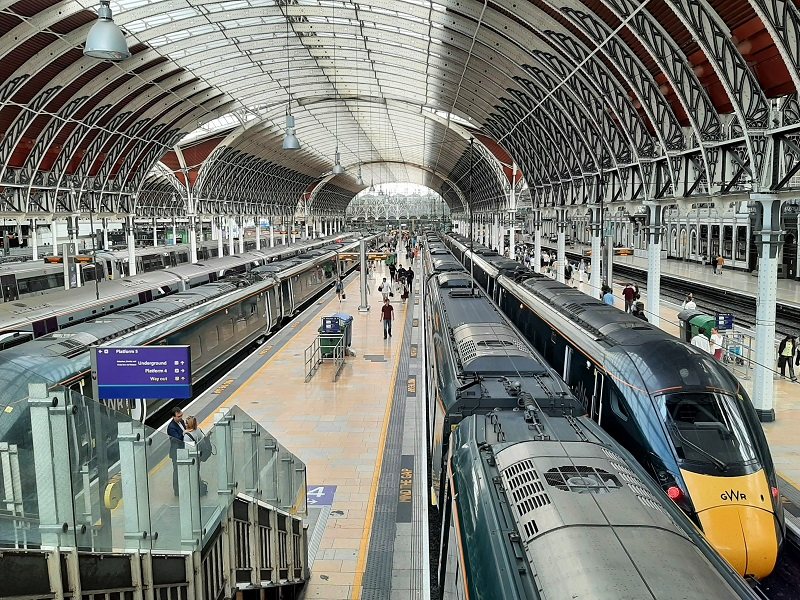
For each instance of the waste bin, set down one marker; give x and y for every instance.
(691, 322)
(346, 322)
(331, 333)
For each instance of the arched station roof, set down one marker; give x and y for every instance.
(636, 100)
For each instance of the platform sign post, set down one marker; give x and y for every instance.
(149, 372)
(724, 321)
(362, 257)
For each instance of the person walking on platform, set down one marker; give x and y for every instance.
(410, 278)
(629, 293)
(385, 288)
(608, 297)
(786, 356)
(688, 304)
(701, 341)
(387, 315)
(717, 343)
(175, 431)
(720, 263)
(339, 288)
(638, 311)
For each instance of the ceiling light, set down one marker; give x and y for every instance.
(105, 40)
(290, 141)
(338, 169)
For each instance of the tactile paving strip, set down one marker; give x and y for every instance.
(377, 581)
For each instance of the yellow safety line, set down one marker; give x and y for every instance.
(373, 493)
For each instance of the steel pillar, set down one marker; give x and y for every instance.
(220, 236)
(654, 231)
(561, 251)
(595, 281)
(192, 231)
(131, 248)
(34, 240)
(769, 242)
(241, 235)
(231, 225)
(362, 257)
(155, 233)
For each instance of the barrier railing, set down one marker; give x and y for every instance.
(76, 474)
(313, 359)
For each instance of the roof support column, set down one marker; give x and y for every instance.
(175, 232)
(155, 233)
(192, 227)
(272, 231)
(654, 231)
(34, 241)
(258, 232)
(54, 236)
(770, 241)
(220, 232)
(131, 247)
(596, 228)
(537, 241)
(105, 235)
(231, 225)
(241, 234)
(561, 252)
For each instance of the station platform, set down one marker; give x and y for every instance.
(361, 436)
(735, 281)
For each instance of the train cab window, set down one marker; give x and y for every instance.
(707, 429)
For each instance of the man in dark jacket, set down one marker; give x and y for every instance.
(175, 431)
(410, 278)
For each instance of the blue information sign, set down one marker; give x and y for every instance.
(143, 372)
(724, 321)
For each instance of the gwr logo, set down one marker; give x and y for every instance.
(733, 495)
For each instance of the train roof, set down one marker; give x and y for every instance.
(659, 357)
(56, 356)
(548, 509)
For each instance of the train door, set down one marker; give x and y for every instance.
(10, 288)
(286, 294)
(596, 407)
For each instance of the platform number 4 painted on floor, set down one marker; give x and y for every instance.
(320, 495)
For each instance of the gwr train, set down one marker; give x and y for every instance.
(684, 417)
(216, 320)
(542, 505)
(30, 279)
(536, 500)
(35, 316)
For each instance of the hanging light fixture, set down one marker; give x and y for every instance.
(290, 141)
(338, 169)
(105, 40)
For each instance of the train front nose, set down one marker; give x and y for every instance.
(744, 535)
(738, 519)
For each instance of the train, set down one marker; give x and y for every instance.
(216, 321)
(535, 499)
(679, 412)
(29, 279)
(36, 315)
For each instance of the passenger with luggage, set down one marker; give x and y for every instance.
(638, 311)
(385, 288)
(717, 343)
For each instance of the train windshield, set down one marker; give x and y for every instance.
(707, 429)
